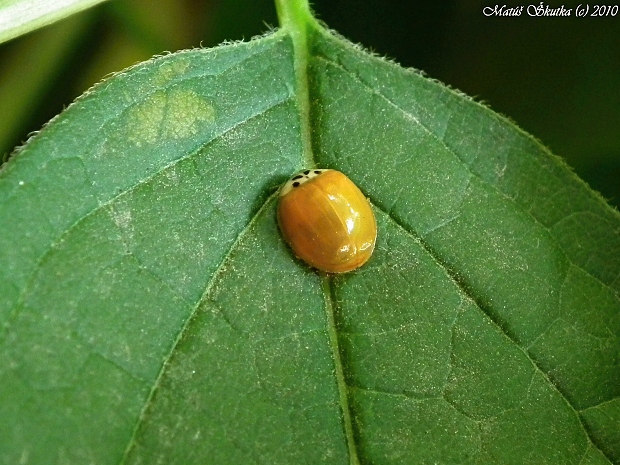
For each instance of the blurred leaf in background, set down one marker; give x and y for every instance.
(558, 78)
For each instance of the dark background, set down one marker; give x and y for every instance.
(557, 78)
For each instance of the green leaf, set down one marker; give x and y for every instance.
(18, 17)
(151, 313)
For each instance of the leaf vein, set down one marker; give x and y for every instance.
(453, 275)
(208, 289)
(413, 118)
(61, 237)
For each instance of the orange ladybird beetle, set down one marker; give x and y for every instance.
(326, 220)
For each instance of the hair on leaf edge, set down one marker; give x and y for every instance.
(7, 159)
(501, 118)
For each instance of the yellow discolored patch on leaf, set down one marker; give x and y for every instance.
(169, 71)
(144, 119)
(185, 113)
(176, 114)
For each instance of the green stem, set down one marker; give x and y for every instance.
(294, 13)
(295, 18)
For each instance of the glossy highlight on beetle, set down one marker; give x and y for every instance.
(327, 220)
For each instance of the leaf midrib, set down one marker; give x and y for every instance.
(343, 391)
(295, 18)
